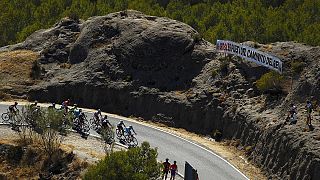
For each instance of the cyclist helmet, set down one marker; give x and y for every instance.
(80, 110)
(130, 127)
(121, 121)
(53, 104)
(75, 105)
(105, 116)
(15, 103)
(99, 110)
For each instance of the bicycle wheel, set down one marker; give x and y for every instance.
(118, 133)
(134, 142)
(86, 128)
(5, 117)
(110, 133)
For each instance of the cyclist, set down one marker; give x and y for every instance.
(65, 104)
(82, 118)
(97, 116)
(77, 113)
(105, 122)
(34, 105)
(129, 129)
(13, 108)
(309, 111)
(121, 127)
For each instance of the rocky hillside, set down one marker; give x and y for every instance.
(162, 70)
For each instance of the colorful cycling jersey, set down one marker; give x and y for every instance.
(128, 130)
(65, 103)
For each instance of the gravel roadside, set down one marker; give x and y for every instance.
(90, 149)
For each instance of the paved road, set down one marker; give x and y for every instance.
(209, 166)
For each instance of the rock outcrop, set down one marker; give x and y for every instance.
(160, 69)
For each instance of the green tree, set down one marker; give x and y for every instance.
(270, 81)
(134, 164)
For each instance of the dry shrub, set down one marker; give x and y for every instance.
(65, 66)
(259, 119)
(317, 137)
(78, 165)
(216, 134)
(248, 150)
(270, 81)
(235, 143)
(4, 96)
(16, 66)
(223, 97)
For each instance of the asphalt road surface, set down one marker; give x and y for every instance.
(208, 165)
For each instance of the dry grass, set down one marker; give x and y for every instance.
(34, 161)
(4, 96)
(15, 67)
(65, 66)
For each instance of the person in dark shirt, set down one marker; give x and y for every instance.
(166, 168)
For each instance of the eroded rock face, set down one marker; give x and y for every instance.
(156, 68)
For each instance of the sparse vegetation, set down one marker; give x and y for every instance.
(197, 37)
(65, 66)
(43, 127)
(4, 96)
(270, 81)
(297, 67)
(136, 163)
(28, 162)
(248, 150)
(216, 134)
(16, 68)
(35, 70)
(224, 64)
(214, 73)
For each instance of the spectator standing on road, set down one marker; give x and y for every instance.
(166, 168)
(309, 111)
(173, 169)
